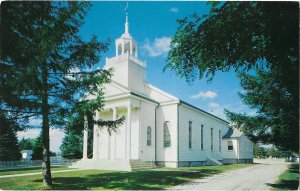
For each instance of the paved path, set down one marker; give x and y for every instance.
(250, 178)
(36, 173)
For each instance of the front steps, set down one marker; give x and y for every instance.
(137, 165)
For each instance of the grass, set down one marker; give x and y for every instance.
(30, 170)
(98, 180)
(288, 180)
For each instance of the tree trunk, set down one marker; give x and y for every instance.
(47, 180)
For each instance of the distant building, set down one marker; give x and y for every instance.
(26, 154)
(159, 128)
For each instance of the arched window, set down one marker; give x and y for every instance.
(167, 138)
(148, 136)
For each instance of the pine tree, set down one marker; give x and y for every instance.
(9, 149)
(37, 148)
(26, 144)
(47, 70)
(71, 147)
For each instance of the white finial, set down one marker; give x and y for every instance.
(126, 23)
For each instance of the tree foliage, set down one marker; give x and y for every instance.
(37, 148)
(259, 40)
(8, 140)
(26, 144)
(46, 68)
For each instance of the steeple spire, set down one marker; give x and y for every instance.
(126, 24)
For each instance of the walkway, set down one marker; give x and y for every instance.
(36, 173)
(252, 178)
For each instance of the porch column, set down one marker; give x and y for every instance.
(114, 145)
(128, 132)
(131, 49)
(96, 137)
(123, 47)
(85, 137)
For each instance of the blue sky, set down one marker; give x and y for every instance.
(152, 24)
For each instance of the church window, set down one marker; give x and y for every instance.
(148, 136)
(211, 139)
(202, 137)
(167, 139)
(190, 134)
(220, 141)
(230, 145)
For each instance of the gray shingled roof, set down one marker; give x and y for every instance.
(232, 133)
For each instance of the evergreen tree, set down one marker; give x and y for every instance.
(46, 69)
(37, 149)
(258, 40)
(71, 147)
(26, 144)
(9, 149)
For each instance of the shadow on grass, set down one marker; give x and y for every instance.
(141, 180)
(289, 180)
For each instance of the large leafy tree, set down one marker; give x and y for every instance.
(46, 68)
(258, 40)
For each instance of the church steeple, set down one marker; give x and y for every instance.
(125, 44)
(126, 24)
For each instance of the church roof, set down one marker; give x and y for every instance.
(232, 133)
(194, 107)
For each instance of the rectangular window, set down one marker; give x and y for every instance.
(167, 138)
(211, 139)
(148, 136)
(202, 137)
(230, 146)
(220, 141)
(190, 134)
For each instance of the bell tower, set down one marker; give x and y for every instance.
(126, 44)
(128, 70)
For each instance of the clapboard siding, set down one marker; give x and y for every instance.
(198, 118)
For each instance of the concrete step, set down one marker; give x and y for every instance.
(140, 165)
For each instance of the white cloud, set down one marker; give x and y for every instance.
(204, 95)
(174, 9)
(213, 105)
(56, 136)
(159, 47)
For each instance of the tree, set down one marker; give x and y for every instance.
(259, 152)
(37, 149)
(8, 140)
(26, 144)
(46, 69)
(258, 40)
(71, 147)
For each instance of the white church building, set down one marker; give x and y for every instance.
(160, 129)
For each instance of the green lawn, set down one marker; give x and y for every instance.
(288, 180)
(97, 180)
(30, 170)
